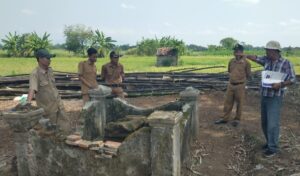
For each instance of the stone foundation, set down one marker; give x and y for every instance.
(161, 146)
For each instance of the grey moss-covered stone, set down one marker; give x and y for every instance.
(155, 141)
(165, 142)
(56, 158)
(99, 92)
(94, 116)
(23, 121)
(125, 126)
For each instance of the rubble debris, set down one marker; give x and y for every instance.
(95, 148)
(97, 144)
(76, 141)
(109, 149)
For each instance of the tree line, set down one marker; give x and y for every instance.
(79, 37)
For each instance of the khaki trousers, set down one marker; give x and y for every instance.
(60, 118)
(234, 93)
(118, 91)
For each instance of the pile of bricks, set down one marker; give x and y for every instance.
(106, 149)
(77, 141)
(110, 149)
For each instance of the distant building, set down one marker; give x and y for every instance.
(166, 57)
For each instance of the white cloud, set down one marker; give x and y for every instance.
(290, 22)
(205, 32)
(294, 21)
(255, 26)
(119, 31)
(168, 24)
(127, 6)
(282, 23)
(27, 12)
(222, 29)
(237, 2)
(250, 24)
(241, 31)
(152, 32)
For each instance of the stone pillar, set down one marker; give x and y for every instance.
(165, 142)
(94, 113)
(190, 110)
(190, 96)
(21, 123)
(100, 93)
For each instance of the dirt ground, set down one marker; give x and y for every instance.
(220, 150)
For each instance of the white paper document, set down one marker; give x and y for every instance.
(270, 77)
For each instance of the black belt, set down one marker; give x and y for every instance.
(237, 83)
(115, 85)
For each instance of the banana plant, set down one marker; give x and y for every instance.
(102, 42)
(35, 42)
(10, 43)
(24, 45)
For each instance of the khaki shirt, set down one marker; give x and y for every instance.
(46, 93)
(239, 70)
(112, 74)
(89, 72)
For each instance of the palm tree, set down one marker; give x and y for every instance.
(103, 43)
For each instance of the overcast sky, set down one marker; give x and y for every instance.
(200, 22)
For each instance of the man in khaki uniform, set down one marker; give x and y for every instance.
(42, 85)
(239, 71)
(87, 72)
(113, 74)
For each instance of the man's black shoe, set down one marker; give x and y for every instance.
(220, 121)
(264, 147)
(269, 153)
(235, 123)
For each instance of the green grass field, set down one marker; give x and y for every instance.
(68, 63)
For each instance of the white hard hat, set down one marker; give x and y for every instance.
(273, 45)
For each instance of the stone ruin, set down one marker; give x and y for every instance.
(153, 141)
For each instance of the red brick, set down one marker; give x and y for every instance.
(71, 143)
(73, 138)
(112, 144)
(83, 144)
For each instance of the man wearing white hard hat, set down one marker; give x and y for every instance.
(272, 90)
